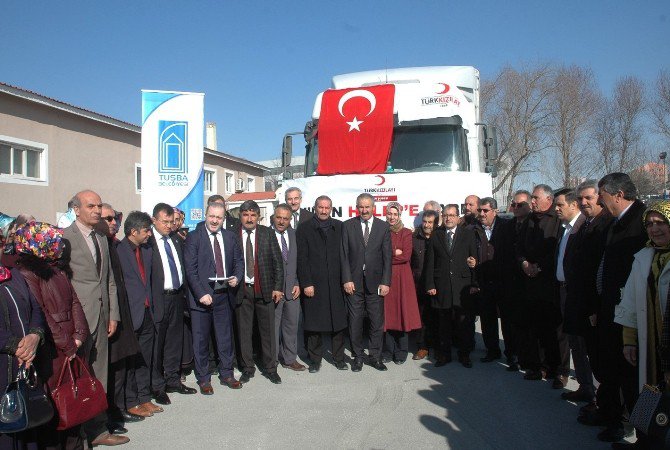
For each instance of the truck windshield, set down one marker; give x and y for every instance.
(416, 149)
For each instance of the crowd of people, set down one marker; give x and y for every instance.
(579, 273)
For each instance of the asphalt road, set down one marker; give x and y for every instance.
(414, 405)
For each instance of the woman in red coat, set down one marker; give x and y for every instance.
(40, 247)
(401, 309)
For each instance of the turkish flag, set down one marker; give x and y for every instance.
(355, 130)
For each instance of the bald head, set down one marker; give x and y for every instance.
(87, 207)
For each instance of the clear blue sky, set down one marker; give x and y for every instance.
(261, 64)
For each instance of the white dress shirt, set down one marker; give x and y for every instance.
(167, 275)
(560, 274)
(278, 235)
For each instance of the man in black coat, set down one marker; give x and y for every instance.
(293, 197)
(366, 277)
(323, 306)
(263, 286)
(449, 281)
(625, 236)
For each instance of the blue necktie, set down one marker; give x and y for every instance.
(171, 263)
(284, 248)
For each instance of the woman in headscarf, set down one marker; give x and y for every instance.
(40, 247)
(643, 310)
(21, 331)
(401, 309)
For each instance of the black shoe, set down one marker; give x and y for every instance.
(466, 361)
(314, 368)
(378, 365)
(116, 428)
(161, 398)
(273, 377)
(357, 365)
(127, 417)
(614, 434)
(442, 361)
(341, 365)
(491, 356)
(246, 376)
(386, 359)
(593, 419)
(181, 389)
(513, 367)
(533, 375)
(399, 361)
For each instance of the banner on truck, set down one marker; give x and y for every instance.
(172, 152)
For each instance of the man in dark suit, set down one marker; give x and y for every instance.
(449, 281)
(263, 287)
(293, 197)
(366, 277)
(136, 258)
(287, 311)
(491, 270)
(169, 289)
(567, 210)
(214, 266)
(625, 236)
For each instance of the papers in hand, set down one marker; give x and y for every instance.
(221, 279)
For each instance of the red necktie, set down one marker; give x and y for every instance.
(138, 257)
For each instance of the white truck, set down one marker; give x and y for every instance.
(439, 149)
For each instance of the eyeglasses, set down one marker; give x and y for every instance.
(484, 210)
(651, 223)
(449, 215)
(518, 204)
(109, 218)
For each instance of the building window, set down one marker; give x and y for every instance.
(230, 182)
(22, 162)
(138, 178)
(209, 183)
(251, 184)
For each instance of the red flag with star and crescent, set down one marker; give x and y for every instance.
(355, 130)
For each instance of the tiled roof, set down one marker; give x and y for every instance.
(244, 196)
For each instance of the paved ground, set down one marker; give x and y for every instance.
(410, 406)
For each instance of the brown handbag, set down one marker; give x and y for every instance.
(79, 398)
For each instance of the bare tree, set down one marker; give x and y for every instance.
(660, 105)
(573, 103)
(604, 136)
(627, 107)
(516, 103)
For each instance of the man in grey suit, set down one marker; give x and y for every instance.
(94, 284)
(366, 277)
(287, 310)
(293, 197)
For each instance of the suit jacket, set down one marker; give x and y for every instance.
(158, 275)
(304, 216)
(291, 265)
(493, 254)
(269, 263)
(97, 293)
(447, 271)
(137, 290)
(376, 256)
(124, 342)
(200, 265)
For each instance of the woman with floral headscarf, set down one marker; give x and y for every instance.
(401, 309)
(41, 247)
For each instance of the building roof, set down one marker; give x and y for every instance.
(244, 196)
(92, 115)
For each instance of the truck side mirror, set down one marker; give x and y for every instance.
(287, 151)
(492, 143)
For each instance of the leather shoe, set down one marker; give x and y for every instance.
(442, 361)
(614, 434)
(593, 419)
(246, 376)
(273, 377)
(116, 428)
(577, 396)
(386, 359)
(466, 361)
(295, 365)
(109, 440)
(357, 365)
(153, 408)
(513, 367)
(161, 398)
(560, 381)
(341, 365)
(231, 382)
(399, 361)
(206, 388)
(490, 357)
(314, 368)
(141, 411)
(378, 365)
(127, 417)
(420, 354)
(181, 389)
(533, 375)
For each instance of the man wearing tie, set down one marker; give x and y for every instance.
(263, 288)
(169, 297)
(287, 311)
(214, 265)
(135, 257)
(293, 197)
(366, 277)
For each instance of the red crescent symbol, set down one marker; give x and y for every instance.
(446, 88)
(381, 182)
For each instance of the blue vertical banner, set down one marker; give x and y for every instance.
(172, 152)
